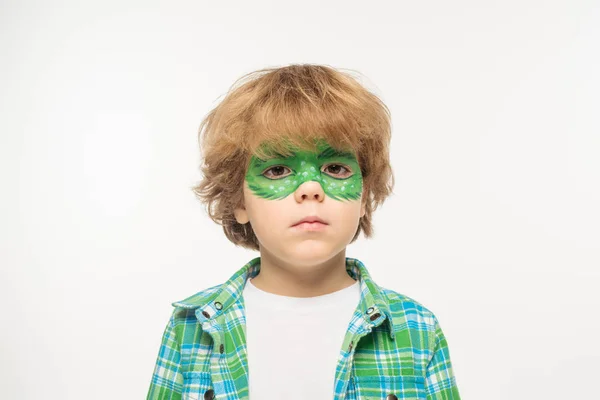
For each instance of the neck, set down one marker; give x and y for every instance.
(309, 279)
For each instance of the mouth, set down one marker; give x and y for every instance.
(314, 226)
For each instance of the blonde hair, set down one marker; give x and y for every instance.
(291, 105)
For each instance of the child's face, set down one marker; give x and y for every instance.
(279, 192)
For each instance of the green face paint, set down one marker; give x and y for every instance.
(275, 178)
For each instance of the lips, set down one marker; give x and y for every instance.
(312, 218)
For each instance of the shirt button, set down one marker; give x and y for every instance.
(389, 397)
(374, 316)
(209, 394)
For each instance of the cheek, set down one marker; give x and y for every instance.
(345, 214)
(267, 216)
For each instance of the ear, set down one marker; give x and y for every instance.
(241, 215)
(363, 204)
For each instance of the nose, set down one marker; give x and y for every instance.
(309, 190)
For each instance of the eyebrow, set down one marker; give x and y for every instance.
(329, 152)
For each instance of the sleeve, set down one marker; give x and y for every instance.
(167, 380)
(440, 379)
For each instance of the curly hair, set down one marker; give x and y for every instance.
(292, 105)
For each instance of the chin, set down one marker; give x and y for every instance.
(312, 253)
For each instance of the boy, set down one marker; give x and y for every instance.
(295, 161)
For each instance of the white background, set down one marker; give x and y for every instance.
(493, 224)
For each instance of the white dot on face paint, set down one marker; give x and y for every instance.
(304, 173)
(271, 187)
(281, 188)
(343, 187)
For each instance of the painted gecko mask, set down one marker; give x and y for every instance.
(275, 178)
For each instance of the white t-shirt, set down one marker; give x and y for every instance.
(293, 343)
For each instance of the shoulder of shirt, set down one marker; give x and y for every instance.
(407, 309)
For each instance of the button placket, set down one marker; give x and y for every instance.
(211, 326)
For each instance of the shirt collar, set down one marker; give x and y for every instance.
(218, 299)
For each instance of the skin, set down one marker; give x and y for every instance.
(278, 193)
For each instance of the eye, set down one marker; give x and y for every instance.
(336, 168)
(276, 169)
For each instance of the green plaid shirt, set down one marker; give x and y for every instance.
(394, 346)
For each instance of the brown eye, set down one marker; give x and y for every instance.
(276, 171)
(335, 169)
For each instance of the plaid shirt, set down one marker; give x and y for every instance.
(394, 347)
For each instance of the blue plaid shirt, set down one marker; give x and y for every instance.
(394, 347)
